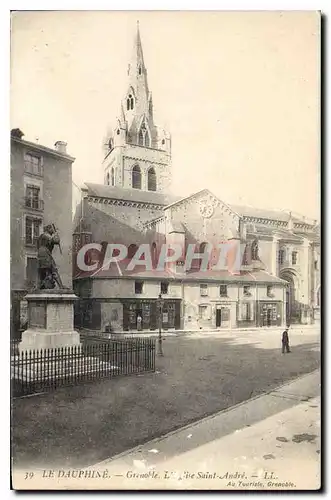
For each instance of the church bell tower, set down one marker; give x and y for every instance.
(137, 152)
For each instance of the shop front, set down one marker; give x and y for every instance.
(269, 313)
(223, 315)
(143, 314)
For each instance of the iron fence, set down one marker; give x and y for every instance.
(47, 369)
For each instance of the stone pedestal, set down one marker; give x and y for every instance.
(50, 320)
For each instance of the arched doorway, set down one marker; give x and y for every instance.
(291, 303)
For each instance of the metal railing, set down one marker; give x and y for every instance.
(47, 369)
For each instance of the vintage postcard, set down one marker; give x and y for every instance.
(165, 250)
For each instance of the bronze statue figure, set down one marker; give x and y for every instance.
(48, 275)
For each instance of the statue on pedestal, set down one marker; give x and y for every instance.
(48, 275)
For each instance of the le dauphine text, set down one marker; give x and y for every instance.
(231, 479)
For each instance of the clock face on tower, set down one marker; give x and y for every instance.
(206, 209)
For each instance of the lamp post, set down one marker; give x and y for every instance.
(160, 307)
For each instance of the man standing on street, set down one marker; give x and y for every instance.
(285, 342)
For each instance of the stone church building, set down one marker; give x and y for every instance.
(279, 277)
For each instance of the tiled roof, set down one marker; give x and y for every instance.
(279, 215)
(139, 272)
(261, 213)
(137, 195)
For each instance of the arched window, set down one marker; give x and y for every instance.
(108, 178)
(136, 177)
(132, 250)
(129, 102)
(143, 136)
(112, 176)
(151, 179)
(255, 250)
(139, 71)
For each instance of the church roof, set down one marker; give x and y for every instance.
(137, 195)
(279, 215)
(119, 270)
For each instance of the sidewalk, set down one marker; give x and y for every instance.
(294, 329)
(271, 441)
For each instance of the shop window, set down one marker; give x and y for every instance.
(203, 290)
(203, 312)
(138, 287)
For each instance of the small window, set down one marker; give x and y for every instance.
(203, 290)
(32, 197)
(294, 258)
(118, 131)
(269, 291)
(316, 265)
(32, 230)
(33, 164)
(247, 290)
(139, 71)
(129, 102)
(108, 178)
(138, 287)
(281, 256)
(112, 176)
(163, 141)
(164, 287)
(223, 290)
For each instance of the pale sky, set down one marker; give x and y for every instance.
(238, 91)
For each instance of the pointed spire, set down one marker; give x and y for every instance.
(137, 60)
